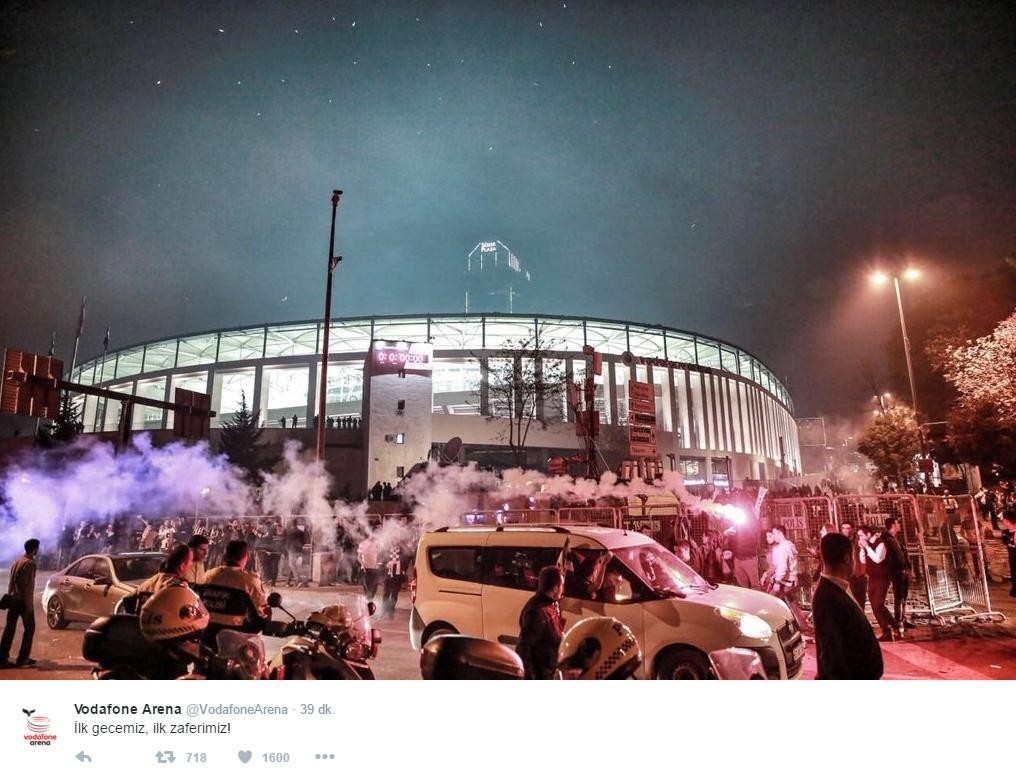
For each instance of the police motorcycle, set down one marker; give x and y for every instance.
(172, 634)
(335, 642)
(596, 648)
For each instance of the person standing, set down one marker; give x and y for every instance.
(21, 604)
(744, 544)
(858, 580)
(877, 569)
(844, 640)
(199, 547)
(367, 554)
(394, 575)
(784, 581)
(541, 626)
(149, 535)
(294, 542)
(172, 572)
(1009, 540)
(900, 573)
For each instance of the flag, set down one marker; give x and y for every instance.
(52, 345)
(81, 318)
(562, 557)
(105, 341)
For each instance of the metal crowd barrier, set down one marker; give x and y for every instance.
(942, 538)
(803, 517)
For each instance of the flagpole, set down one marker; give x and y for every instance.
(77, 339)
(105, 349)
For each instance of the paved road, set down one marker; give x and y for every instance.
(969, 652)
(59, 651)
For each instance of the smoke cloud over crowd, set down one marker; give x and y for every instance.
(89, 481)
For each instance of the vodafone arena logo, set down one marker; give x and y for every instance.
(39, 730)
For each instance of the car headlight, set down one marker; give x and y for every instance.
(747, 624)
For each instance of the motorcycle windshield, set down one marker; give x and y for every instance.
(247, 651)
(359, 616)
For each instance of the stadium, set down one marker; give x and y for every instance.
(400, 387)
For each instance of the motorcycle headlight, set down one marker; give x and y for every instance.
(747, 624)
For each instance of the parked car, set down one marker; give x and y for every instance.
(91, 586)
(474, 580)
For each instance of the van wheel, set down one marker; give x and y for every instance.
(437, 631)
(683, 664)
(55, 615)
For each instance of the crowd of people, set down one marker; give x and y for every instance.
(993, 501)
(280, 551)
(274, 545)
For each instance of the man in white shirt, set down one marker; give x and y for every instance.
(877, 567)
(368, 555)
(784, 580)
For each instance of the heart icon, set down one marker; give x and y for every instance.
(244, 756)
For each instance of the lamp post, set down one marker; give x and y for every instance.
(879, 278)
(333, 261)
(203, 494)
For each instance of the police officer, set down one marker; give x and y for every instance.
(541, 626)
(233, 574)
(20, 604)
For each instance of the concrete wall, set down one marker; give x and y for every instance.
(384, 422)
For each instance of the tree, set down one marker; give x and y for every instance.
(65, 426)
(524, 383)
(983, 370)
(240, 441)
(891, 441)
(982, 421)
(977, 434)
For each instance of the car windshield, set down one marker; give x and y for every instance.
(136, 567)
(660, 569)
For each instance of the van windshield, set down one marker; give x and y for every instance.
(660, 569)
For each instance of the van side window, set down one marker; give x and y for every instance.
(455, 563)
(598, 576)
(517, 567)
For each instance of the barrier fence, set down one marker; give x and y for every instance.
(941, 536)
(803, 518)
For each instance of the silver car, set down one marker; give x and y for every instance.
(91, 586)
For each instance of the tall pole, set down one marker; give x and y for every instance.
(910, 364)
(77, 339)
(333, 261)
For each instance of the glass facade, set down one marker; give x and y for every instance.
(228, 388)
(284, 392)
(146, 417)
(457, 387)
(344, 389)
(740, 408)
(242, 345)
(285, 341)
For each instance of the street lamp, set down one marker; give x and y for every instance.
(333, 261)
(880, 278)
(203, 494)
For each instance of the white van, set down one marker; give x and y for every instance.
(474, 580)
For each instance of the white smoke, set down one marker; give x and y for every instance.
(90, 481)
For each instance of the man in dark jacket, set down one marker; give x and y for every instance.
(846, 645)
(900, 573)
(21, 596)
(542, 627)
(1009, 540)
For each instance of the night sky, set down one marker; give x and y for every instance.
(733, 169)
